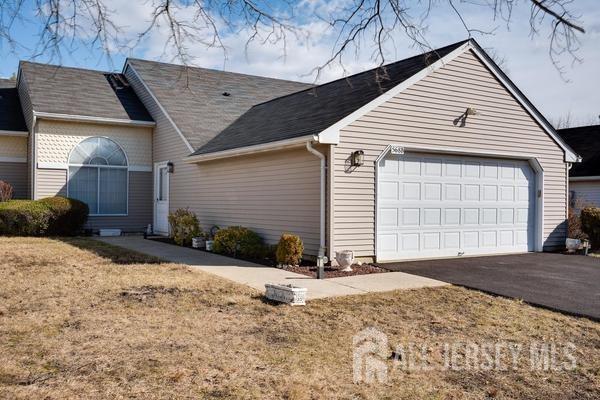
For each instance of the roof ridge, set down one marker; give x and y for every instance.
(21, 62)
(213, 70)
(364, 72)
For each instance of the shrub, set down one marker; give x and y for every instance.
(238, 241)
(184, 226)
(24, 218)
(67, 215)
(590, 221)
(6, 191)
(575, 229)
(289, 249)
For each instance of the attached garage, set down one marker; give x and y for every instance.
(440, 205)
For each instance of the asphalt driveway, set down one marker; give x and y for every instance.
(566, 283)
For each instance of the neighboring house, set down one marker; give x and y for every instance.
(13, 140)
(437, 155)
(584, 178)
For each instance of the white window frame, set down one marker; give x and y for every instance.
(126, 167)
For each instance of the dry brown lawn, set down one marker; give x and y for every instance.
(81, 319)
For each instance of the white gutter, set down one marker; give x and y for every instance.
(33, 155)
(96, 120)
(584, 178)
(322, 199)
(258, 148)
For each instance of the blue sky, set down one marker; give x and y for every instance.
(526, 59)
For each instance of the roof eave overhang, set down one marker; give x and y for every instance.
(13, 133)
(91, 119)
(254, 149)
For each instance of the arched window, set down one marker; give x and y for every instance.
(98, 176)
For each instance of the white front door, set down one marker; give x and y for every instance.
(432, 205)
(161, 198)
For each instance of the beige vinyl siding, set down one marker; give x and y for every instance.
(270, 193)
(51, 182)
(15, 173)
(425, 115)
(13, 147)
(586, 192)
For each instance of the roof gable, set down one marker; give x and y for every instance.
(585, 140)
(81, 92)
(264, 123)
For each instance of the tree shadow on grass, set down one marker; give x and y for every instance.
(115, 254)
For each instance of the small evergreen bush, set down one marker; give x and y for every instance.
(238, 241)
(67, 215)
(184, 226)
(289, 249)
(24, 218)
(590, 221)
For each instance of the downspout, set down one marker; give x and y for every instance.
(33, 156)
(321, 257)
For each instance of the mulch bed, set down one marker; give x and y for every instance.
(331, 272)
(306, 267)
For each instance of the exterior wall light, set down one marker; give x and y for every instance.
(170, 167)
(471, 111)
(358, 158)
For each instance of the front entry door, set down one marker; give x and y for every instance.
(161, 198)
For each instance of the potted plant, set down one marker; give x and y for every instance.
(210, 239)
(199, 242)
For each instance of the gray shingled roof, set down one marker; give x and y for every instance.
(11, 115)
(193, 97)
(311, 111)
(585, 140)
(75, 91)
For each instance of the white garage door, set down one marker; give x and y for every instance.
(442, 205)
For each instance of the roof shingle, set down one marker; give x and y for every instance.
(584, 140)
(194, 97)
(75, 91)
(11, 115)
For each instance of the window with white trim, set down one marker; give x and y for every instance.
(98, 176)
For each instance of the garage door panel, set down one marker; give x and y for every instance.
(437, 206)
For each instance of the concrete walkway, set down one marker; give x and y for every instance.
(255, 275)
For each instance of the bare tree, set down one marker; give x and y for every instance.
(569, 121)
(64, 25)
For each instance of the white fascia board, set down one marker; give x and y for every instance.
(14, 133)
(258, 148)
(13, 159)
(331, 135)
(584, 178)
(160, 106)
(570, 155)
(90, 119)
